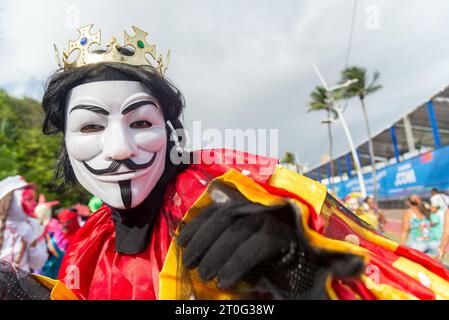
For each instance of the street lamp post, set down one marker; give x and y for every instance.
(339, 110)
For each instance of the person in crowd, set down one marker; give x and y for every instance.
(21, 241)
(439, 204)
(373, 210)
(444, 237)
(68, 220)
(44, 212)
(420, 227)
(83, 212)
(59, 241)
(354, 202)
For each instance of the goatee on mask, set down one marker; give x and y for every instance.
(116, 140)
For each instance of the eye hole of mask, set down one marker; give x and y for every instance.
(91, 128)
(141, 124)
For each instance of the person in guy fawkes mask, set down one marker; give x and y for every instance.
(219, 224)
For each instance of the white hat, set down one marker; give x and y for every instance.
(12, 183)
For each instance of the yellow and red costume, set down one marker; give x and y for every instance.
(392, 270)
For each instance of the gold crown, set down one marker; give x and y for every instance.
(112, 54)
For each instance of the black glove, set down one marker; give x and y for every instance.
(235, 239)
(16, 284)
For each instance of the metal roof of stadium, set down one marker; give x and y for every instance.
(414, 135)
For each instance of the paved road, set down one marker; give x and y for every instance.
(394, 213)
(394, 220)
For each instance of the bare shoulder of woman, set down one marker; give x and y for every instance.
(408, 214)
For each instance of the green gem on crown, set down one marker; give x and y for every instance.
(140, 44)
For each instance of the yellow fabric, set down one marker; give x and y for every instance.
(330, 291)
(315, 194)
(171, 283)
(435, 283)
(58, 290)
(369, 217)
(311, 191)
(172, 278)
(385, 292)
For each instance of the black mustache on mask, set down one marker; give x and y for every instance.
(115, 165)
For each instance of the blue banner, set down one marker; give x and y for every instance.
(397, 181)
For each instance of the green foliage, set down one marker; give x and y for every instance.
(360, 88)
(320, 101)
(289, 158)
(26, 151)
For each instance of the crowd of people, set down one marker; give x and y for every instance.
(35, 236)
(367, 209)
(425, 225)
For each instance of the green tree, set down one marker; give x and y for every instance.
(26, 151)
(320, 102)
(362, 88)
(289, 158)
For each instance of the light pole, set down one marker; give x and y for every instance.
(339, 110)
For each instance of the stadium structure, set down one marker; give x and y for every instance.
(411, 156)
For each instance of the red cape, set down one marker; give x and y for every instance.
(94, 270)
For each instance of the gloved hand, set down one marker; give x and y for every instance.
(235, 239)
(16, 284)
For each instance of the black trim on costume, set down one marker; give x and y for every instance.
(133, 225)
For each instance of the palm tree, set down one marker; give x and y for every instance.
(290, 159)
(320, 101)
(361, 89)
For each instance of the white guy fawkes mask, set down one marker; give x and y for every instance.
(116, 140)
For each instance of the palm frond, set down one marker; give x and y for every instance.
(340, 94)
(318, 99)
(314, 106)
(357, 88)
(334, 114)
(373, 86)
(373, 89)
(360, 88)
